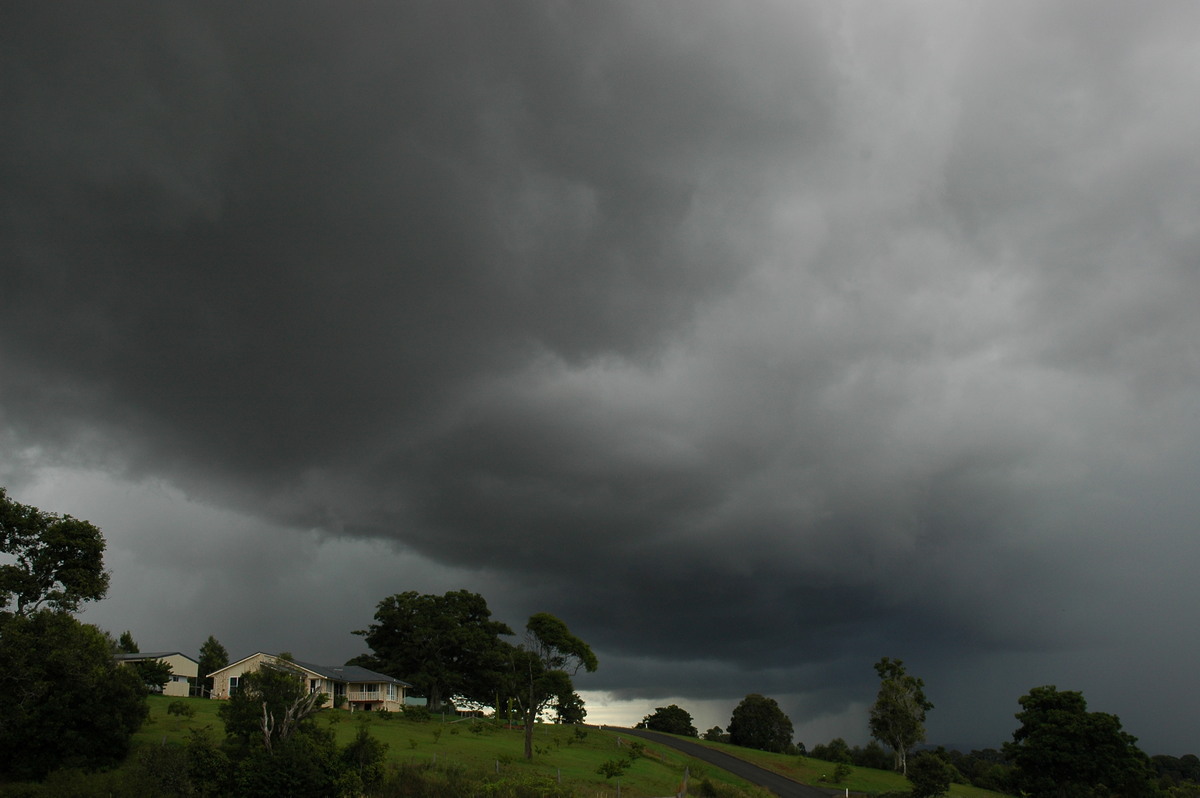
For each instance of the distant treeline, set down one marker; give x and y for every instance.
(989, 770)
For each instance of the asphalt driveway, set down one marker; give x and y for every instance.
(780, 785)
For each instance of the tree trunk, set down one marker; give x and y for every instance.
(530, 713)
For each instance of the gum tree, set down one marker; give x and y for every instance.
(542, 667)
(898, 714)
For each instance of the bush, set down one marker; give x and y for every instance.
(181, 709)
(66, 701)
(613, 768)
(930, 775)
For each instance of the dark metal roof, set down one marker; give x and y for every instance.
(351, 673)
(152, 655)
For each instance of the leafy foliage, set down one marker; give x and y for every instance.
(66, 701)
(58, 561)
(364, 757)
(570, 709)
(1063, 750)
(930, 775)
(443, 645)
(541, 668)
(898, 715)
(758, 722)
(154, 673)
(671, 720)
(270, 704)
(613, 768)
(181, 709)
(213, 657)
(716, 735)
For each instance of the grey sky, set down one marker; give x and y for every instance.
(756, 342)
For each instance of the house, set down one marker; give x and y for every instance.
(184, 670)
(362, 689)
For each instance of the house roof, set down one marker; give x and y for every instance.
(152, 655)
(352, 674)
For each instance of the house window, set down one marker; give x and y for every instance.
(339, 688)
(233, 684)
(314, 685)
(391, 692)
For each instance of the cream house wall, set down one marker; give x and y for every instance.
(184, 670)
(220, 688)
(386, 695)
(183, 675)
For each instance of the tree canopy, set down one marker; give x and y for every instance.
(443, 645)
(67, 703)
(930, 775)
(1064, 751)
(542, 666)
(57, 560)
(898, 715)
(213, 657)
(671, 720)
(758, 722)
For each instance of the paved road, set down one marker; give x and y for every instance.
(780, 785)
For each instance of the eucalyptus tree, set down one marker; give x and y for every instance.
(542, 667)
(898, 715)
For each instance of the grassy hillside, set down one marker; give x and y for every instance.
(816, 772)
(482, 749)
(479, 750)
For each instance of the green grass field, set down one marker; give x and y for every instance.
(817, 772)
(483, 748)
(480, 748)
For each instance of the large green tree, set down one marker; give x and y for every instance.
(570, 709)
(671, 720)
(897, 717)
(66, 701)
(57, 561)
(443, 645)
(758, 722)
(542, 666)
(1063, 751)
(213, 657)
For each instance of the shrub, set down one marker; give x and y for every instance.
(613, 768)
(180, 708)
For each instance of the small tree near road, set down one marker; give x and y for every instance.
(758, 722)
(670, 720)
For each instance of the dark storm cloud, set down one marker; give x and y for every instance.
(758, 343)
